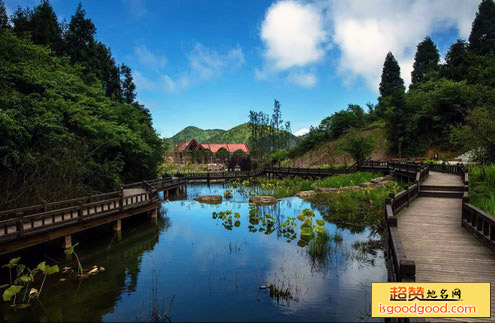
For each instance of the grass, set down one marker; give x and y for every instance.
(347, 179)
(286, 187)
(171, 168)
(355, 209)
(482, 187)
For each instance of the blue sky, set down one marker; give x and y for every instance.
(207, 63)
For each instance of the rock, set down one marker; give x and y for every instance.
(328, 189)
(305, 194)
(377, 180)
(209, 199)
(365, 185)
(93, 271)
(101, 269)
(262, 200)
(355, 187)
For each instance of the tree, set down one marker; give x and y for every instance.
(21, 22)
(426, 60)
(482, 37)
(478, 134)
(44, 27)
(128, 87)
(391, 79)
(357, 145)
(80, 42)
(4, 19)
(456, 61)
(222, 154)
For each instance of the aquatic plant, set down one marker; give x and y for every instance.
(227, 194)
(24, 278)
(70, 251)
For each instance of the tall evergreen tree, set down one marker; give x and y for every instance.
(426, 60)
(482, 37)
(4, 19)
(456, 61)
(44, 26)
(80, 42)
(128, 86)
(391, 79)
(21, 21)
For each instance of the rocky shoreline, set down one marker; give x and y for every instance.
(375, 182)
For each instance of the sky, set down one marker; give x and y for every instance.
(207, 63)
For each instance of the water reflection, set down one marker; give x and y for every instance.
(212, 263)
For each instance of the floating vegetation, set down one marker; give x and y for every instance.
(226, 217)
(227, 194)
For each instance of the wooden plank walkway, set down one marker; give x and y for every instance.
(432, 235)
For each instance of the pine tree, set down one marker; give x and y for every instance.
(44, 26)
(482, 37)
(21, 22)
(391, 79)
(456, 61)
(128, 87)
(80, 43)
(426, 60)
(4, 19)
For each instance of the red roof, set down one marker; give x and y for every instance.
(213, 147)
(230, 147)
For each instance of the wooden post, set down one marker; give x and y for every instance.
(45, 206)
(407, 270)
(154, 213)
(406, 187)
(20, 224)
(117, 225)
(80, 211)
(121, 203)
(67, 242)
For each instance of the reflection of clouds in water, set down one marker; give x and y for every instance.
(203, 242)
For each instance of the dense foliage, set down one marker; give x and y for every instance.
(62, 133)
(442, 107)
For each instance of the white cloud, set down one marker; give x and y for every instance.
(136, 7)
(206, 62)
(203, 64)
(293, 35)
(142, 82)
(301, 132)
(149, 59)
(365, 31)
(306, 80)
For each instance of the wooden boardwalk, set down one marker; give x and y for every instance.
(432, 235)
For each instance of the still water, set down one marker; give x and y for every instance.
(210, 270)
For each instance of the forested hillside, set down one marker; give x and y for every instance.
(191, 132)
(449, 106)
(69, 121)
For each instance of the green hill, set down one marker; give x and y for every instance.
(192, 132)
(240, 134)
(237, 135)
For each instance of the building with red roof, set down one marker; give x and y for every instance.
(192, 151)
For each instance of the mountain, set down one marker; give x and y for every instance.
(237, 135)
(192, 132)
(240, 134)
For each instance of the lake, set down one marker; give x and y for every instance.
(212, 269)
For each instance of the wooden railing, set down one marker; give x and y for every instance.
(476, 221)
(22, 222)
(401, 269)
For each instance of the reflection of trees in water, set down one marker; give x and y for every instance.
(356, 220)
(91, 299)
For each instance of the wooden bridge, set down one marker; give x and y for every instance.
(284, 172)
(25, 227)
(435, 235)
